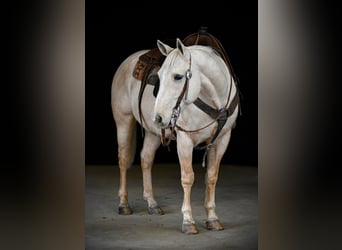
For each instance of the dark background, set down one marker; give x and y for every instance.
(299, 125)
(114, 33)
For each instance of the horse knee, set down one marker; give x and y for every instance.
(211, 180)
(188, 179)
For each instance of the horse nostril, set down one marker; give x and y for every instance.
(158, 119)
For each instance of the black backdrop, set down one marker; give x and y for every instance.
(113, 33)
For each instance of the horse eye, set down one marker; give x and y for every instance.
(178, 77)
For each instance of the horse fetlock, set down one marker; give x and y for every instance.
(211, 214)
(123, 195)
(150, 201)
(187, 217)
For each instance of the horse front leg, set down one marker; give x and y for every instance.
(214, 159)
(151, 144)
(184, 149)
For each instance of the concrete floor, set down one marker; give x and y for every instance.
(236, 206)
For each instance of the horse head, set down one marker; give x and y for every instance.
(180, 83)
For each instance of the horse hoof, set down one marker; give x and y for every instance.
(214, 225)
(125, 210)
(155, 210)
(189, 229)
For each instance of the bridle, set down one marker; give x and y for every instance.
(176, 109)
(218, 115)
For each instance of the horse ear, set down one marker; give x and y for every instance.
(180, 46)
(164, 48)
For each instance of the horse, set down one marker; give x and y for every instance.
(197, 103)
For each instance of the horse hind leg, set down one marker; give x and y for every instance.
(214, 159)
(151, 144)
(126, 137)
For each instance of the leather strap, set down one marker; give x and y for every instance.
(221, 116)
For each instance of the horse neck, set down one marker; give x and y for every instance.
(215, 76)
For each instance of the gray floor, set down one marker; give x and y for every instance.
(236, 206)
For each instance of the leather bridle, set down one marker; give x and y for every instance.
(218, 115)
(176, 109)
